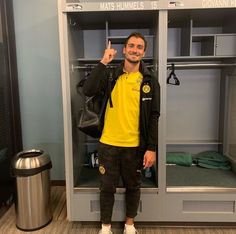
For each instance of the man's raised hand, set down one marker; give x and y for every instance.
(109, 54)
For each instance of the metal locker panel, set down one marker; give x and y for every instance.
(149, 209)
(225, 45)
(200, 207)
(208, 206)
(86, 207)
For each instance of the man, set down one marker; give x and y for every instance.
(129, 137)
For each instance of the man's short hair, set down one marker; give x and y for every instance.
(137, 35)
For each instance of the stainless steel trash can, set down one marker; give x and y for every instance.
(32, 171)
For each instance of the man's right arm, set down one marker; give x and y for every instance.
(94, 82)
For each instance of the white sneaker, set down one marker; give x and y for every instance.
(105, 230)
(130, 229)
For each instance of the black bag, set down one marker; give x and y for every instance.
(91, 117)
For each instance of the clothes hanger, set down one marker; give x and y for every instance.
(173, 76)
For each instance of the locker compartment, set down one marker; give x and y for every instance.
(88, 35)
(199, 118)
(204, 32)
(203, 45)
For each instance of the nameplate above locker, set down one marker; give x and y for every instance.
(200, 4)
(147, 5)
(113, 6)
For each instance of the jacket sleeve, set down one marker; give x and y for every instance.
(96, 80)
(154, 117)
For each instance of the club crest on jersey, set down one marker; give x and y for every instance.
(146, 88)
(102, 169)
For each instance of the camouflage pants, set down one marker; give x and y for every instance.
(113, 163)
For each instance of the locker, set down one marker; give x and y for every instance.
(197, 116)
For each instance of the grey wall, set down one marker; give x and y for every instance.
(37, 45)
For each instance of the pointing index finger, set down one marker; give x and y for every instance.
(109, 45)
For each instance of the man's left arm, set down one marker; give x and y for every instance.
(150, 154)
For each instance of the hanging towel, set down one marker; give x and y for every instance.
(179, 158)
(212, 160)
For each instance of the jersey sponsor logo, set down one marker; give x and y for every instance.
(146, 99)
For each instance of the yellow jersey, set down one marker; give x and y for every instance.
(121, 122)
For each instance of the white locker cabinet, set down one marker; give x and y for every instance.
(198, 115)
(225, 45)
(198, 118)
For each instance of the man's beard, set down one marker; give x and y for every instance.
(132, 61)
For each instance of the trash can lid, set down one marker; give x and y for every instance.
(30, 159)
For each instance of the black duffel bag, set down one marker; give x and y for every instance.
(91, 117)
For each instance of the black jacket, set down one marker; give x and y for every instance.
(149, 99)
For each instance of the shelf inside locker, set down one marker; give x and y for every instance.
(198, 36)
(121, 39)
(211, 31)
(95, 60)
(89, 178)
(193, 142)
(194, 176)
(203, 58)
(195, 36)
(199, 189)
